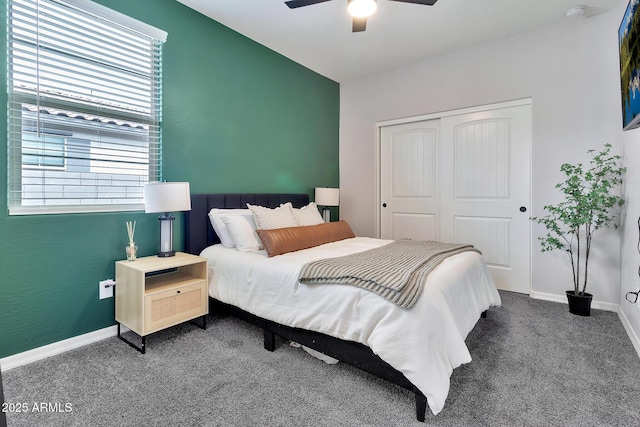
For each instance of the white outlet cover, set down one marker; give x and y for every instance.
(105, 291)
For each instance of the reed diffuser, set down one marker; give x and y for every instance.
(131, 249)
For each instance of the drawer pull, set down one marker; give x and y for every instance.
(178, 291)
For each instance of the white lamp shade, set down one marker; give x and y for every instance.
(167, 197)
(327, 196)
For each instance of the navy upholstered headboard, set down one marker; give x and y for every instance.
(200, 234)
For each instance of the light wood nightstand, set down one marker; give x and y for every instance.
(154, 293)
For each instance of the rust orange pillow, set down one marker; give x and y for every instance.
(279, 241)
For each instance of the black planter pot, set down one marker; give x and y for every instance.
(579, 304)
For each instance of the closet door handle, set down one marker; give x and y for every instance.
(523, 209)
(384, 205)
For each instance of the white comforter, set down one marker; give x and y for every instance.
(425, 342)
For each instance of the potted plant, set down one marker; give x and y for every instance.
(591, 200)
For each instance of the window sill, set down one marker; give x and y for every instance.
(51, 210)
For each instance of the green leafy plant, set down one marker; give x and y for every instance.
(591, 201)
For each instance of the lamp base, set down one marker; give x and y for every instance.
(326, 214)
(166, 236)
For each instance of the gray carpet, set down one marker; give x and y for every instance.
(534, 364)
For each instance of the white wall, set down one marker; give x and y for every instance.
(630, 281)
(570, 71)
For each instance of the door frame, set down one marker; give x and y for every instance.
(439, 115)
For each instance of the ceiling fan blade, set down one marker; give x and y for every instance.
(300, 3)
(423, 2)
(359, 24)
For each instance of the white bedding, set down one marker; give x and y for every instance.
(425, 342)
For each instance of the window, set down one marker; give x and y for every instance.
(85, 107)
(42, 150)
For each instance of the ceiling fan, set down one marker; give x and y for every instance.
(359, 9)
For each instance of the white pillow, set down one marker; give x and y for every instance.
(215, 216)
(308, 215)
(268, 219)
(243, 231)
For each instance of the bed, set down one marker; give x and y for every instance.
(350, 324)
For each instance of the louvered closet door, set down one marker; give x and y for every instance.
(486, 192)
(409, 181)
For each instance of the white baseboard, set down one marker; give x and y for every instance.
(630, 332)
(598, 305)
(43, 352)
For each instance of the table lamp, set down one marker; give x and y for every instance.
(326, 197)
(166, 197)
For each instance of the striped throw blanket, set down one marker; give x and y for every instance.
(396, 271)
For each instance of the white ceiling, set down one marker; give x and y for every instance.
(319, 36)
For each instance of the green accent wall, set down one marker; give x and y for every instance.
(237, 117)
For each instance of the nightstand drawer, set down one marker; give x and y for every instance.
(168, 308)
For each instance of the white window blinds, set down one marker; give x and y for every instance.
(85, 107)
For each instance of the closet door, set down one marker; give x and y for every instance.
(409, 181)
(486, 190)
(463, 178)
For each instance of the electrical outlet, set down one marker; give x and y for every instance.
(106, 288)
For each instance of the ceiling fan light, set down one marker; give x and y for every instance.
(362, 8)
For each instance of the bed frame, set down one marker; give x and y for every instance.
(200, 234)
